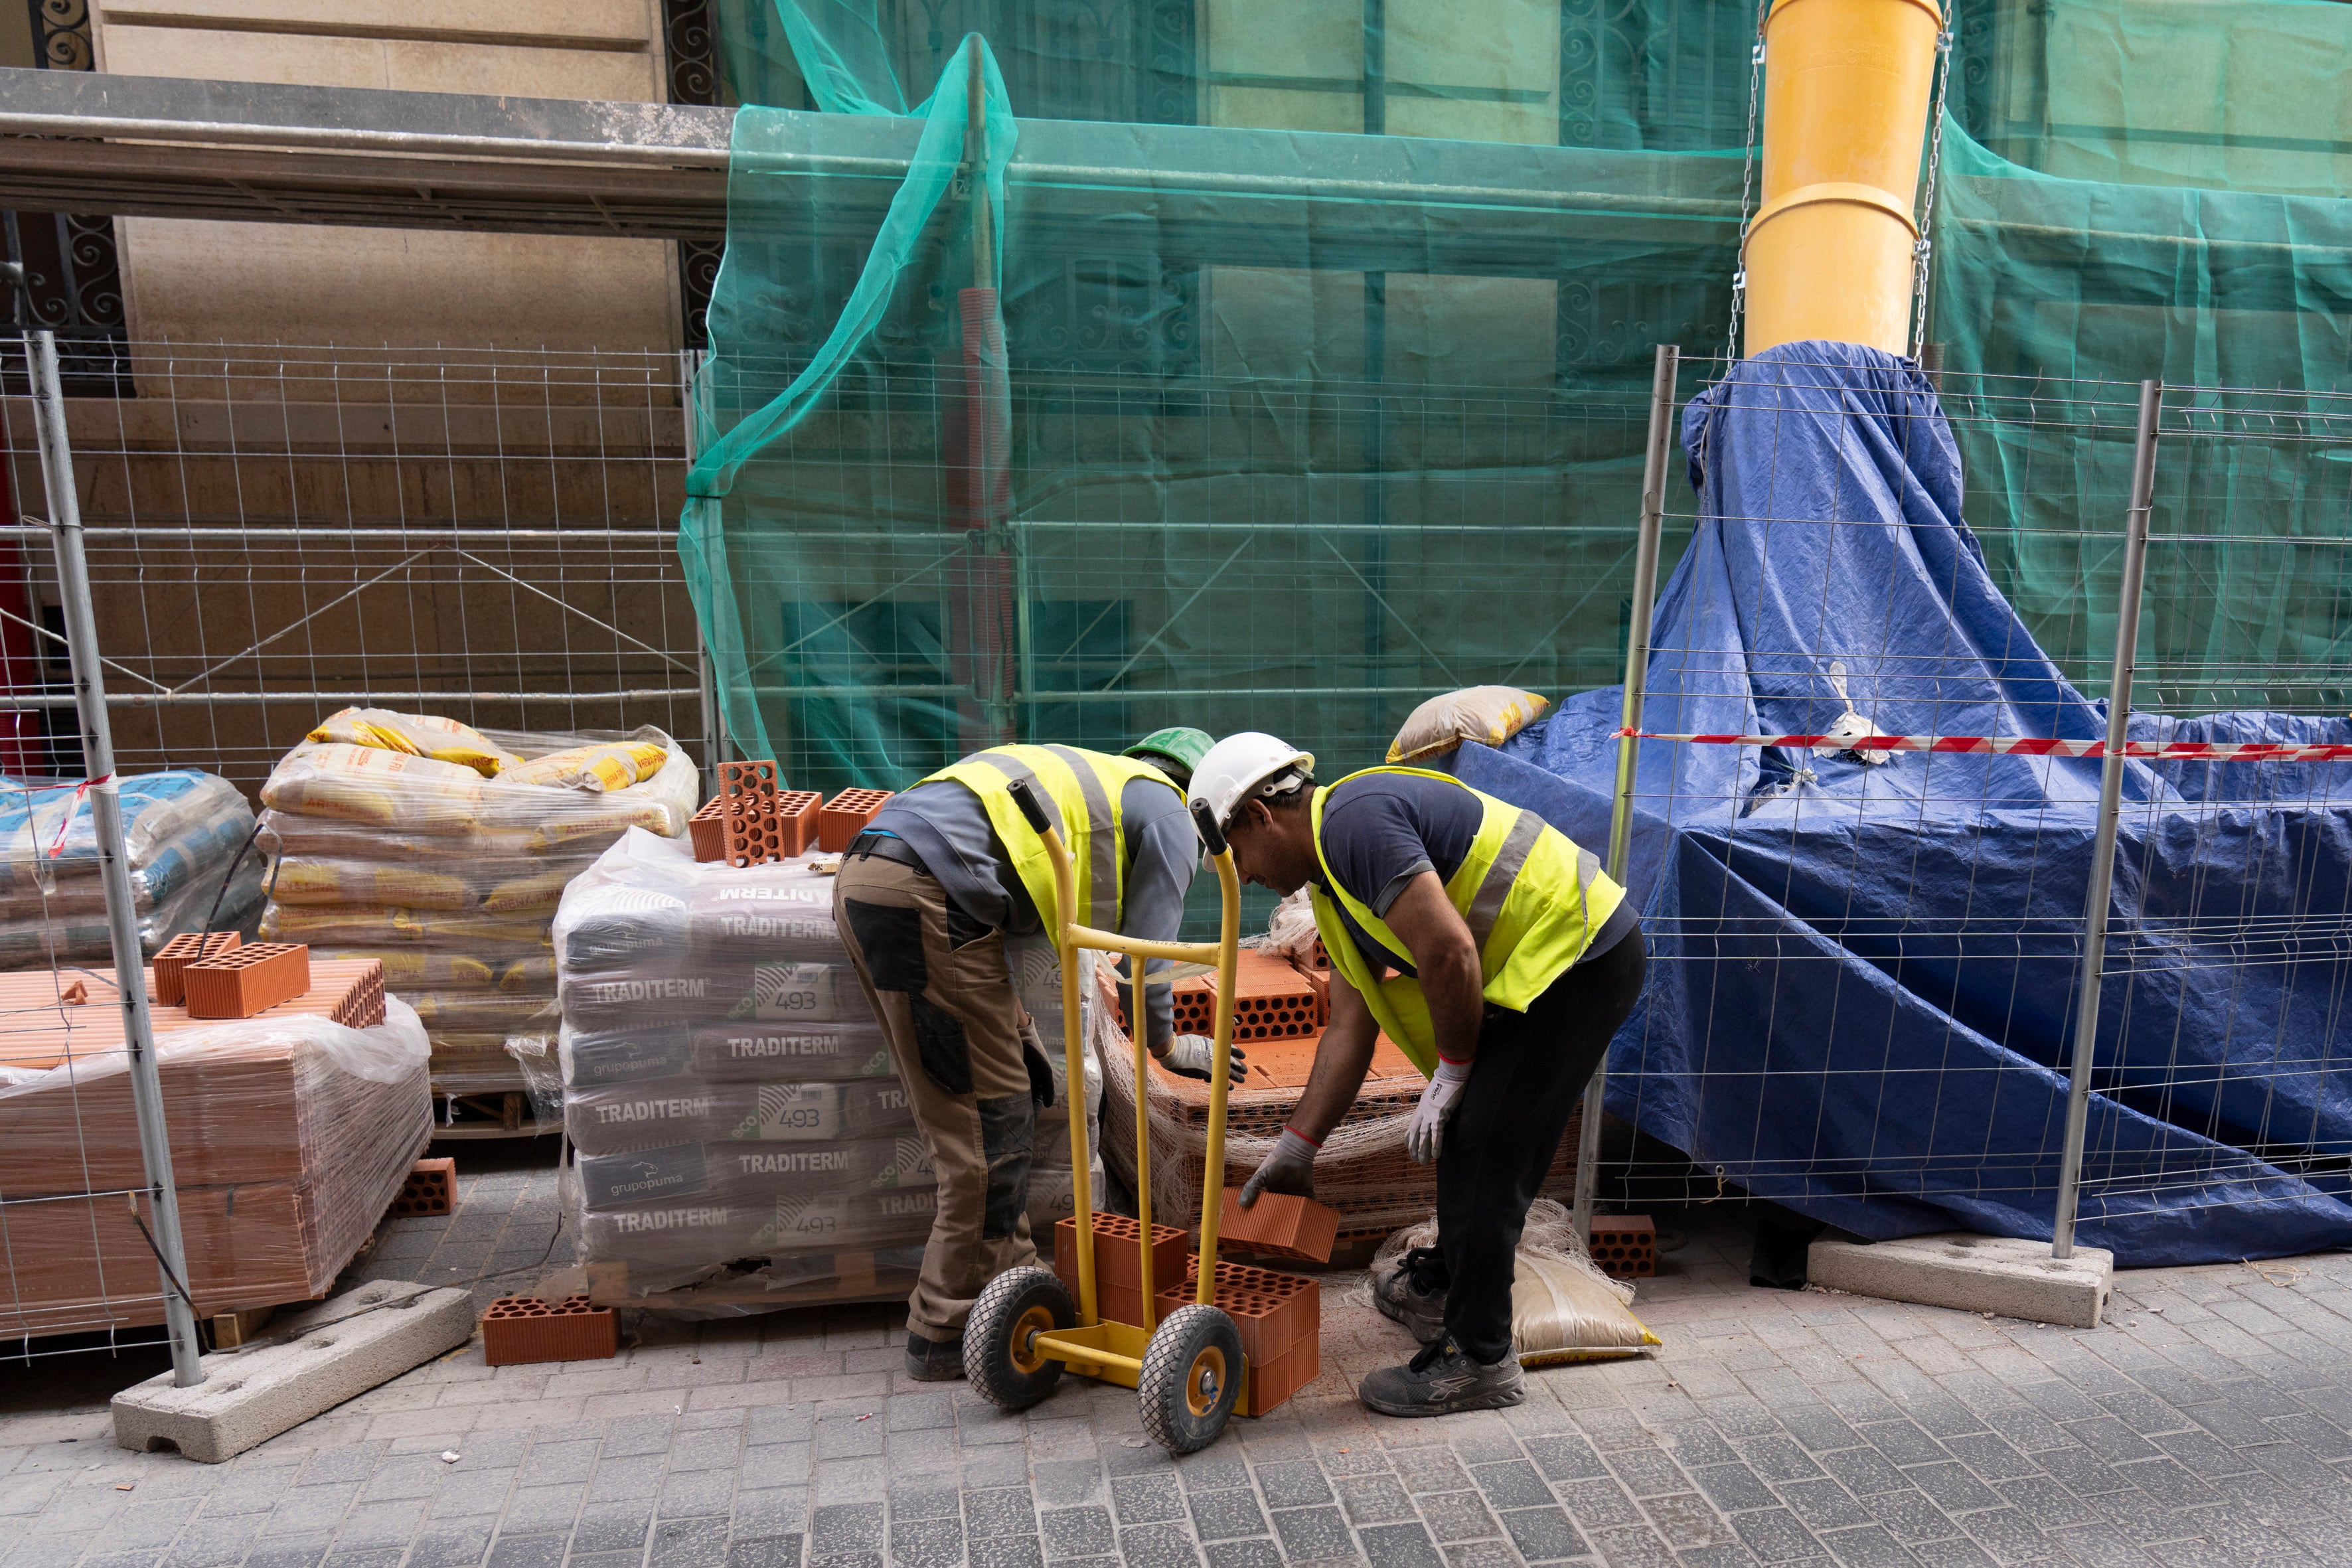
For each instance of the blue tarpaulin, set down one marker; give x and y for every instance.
(1864, 975)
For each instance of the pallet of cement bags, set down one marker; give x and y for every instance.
(743, 1138)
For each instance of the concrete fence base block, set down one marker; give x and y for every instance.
(306, 1364)
(1973, 1273)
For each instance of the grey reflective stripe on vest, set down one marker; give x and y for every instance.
(1014, 768)
(1487, 905)
(1102, 844)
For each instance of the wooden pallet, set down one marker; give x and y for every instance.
(504, 1113)
(856, 1276)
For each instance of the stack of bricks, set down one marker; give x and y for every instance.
(1280, 1317)
(750, 821)
(1119, 1278)
(285, 1159)
(1272, 1001)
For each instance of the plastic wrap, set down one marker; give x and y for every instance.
(446, 851)
(34, 941)
(739, 1127)
(1564, 1308)
(290, 1133)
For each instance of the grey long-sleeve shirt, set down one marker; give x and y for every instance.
(947, 826)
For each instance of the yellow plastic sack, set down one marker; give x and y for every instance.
(302, 879)
(414, 734)
(527, 895)
(1487, 714)
(600, 768)
(366, 783)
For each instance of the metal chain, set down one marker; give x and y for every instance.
(1923, 250)
(1747, 183)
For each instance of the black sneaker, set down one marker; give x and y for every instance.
(1405, 1296)
(1440, 1380)
(933, 1360)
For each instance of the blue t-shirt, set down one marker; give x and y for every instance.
(1382, 830)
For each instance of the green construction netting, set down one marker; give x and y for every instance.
(1285, 369)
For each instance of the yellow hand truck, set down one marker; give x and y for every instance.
(1024, 1331)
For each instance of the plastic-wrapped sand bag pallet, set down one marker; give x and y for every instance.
(443, 852)
(1564, 1308)
(743, 1140)
(184, 830)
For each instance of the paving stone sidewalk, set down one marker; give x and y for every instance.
(2206, 1425)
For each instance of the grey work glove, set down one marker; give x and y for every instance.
(1192, 1055)
(1289, 1169)
(1425, 1134)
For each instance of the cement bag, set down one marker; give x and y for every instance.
(367, 784)
(415, 735)
(1564, 1308)
(312, 880)
(600, 769)
(1487, 714)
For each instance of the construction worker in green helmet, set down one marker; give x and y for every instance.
(926, 898)
(1499, 957)
(1175, 752)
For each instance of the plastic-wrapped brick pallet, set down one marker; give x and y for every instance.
(447, 862)
(740, 1133)
(182, 829)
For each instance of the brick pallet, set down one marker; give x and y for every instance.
(1375, 1193)
(284, 1160)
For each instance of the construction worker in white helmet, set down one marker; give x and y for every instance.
(1499, 957)
(925, 899)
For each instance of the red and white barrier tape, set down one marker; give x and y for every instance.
(80, 788)
(2032, 746)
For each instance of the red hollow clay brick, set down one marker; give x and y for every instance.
(1272, 1382)
(1279, 1225)
(797, 813)
(707, 827)
(362, 1005)
(518, 1330)
(247, 980)
(181, 950)
(844, 816)
(431, 1189)
(1625, 1245)
(1118, 1277)
(747, 807)
(1273, 1311)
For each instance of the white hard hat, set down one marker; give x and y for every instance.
(1238, 765)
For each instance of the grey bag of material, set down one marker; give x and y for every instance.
(1564, 1308)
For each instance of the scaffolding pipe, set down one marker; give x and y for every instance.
(2103, 844)
(105, 820)
(1637, 684)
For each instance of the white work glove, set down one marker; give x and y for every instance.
(1426, 1133)
(1193, 1055)
(1289, 1169)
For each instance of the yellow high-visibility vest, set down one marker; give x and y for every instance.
(1532, 899)
(1080, 790)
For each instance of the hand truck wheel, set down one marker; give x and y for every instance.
(1000, 1360)
(1191, 1378)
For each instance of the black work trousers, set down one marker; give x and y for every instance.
(1528, 1079)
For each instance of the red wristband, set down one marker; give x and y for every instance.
(1295, 1133)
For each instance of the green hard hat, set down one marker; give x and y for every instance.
(1175, 752)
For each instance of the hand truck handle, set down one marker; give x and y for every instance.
(1032, 808)
(1206, 820)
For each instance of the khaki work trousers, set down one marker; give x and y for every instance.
(974, 1073)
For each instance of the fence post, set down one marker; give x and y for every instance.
(2103, 843)
(1637, 681)
(106, 819)
(714, 719)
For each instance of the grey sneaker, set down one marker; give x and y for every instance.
(1405, 1298)
(1440, 1381)
(933, 1360)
